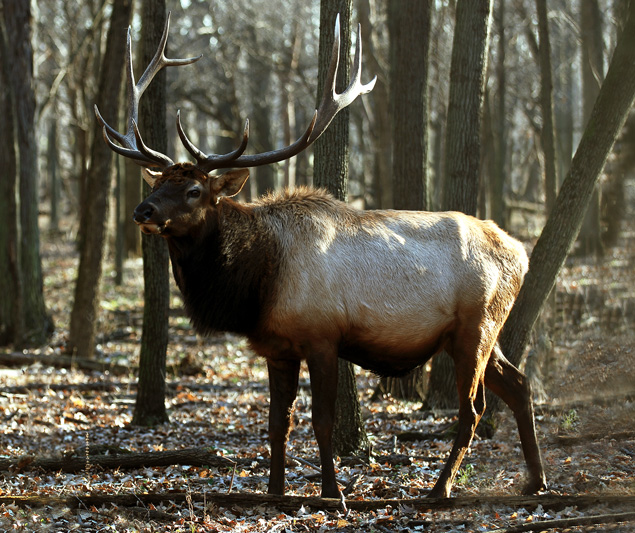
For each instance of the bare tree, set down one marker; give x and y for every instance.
(86, 303)
(10, 285)
(37, 324)
(592, 47)
(150, 402)
(547, 136)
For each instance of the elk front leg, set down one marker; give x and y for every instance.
(511, 386)
(283, 385)
(323, 370)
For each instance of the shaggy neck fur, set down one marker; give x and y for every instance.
(225, 270)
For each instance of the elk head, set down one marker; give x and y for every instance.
(182, 193)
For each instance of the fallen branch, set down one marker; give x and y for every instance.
(570, 440)
(563, 405)
(565, 523)
(77, 463)
(13, 359)
(293, 503)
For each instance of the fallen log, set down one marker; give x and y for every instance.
(77, 463)
(13, 359)
(293, 503)
(565, 523)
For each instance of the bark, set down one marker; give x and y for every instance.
(260, 80)
(409, 22)
(37, 324)
(132, 186)
(547, 137)
(53, 175)
(83, 325)
(10, 284)
(607, 119)
(150, 403)
(564, 50)
(467, 75)
(331, 172)
(497, 178)
(380, 132)
(592, 74)
(463, 144)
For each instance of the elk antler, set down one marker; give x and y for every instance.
(132, 145)
(330, 105)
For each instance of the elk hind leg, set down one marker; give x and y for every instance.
(511, 385)
(470, 369)
(283, 385)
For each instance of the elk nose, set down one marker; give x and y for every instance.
(143, 212)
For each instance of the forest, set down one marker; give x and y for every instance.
(116, 415)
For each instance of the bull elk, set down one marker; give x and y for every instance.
(306, 277)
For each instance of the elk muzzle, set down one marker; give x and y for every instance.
(145, 216)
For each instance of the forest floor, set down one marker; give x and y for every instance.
(218, 400)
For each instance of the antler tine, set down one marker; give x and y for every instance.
(132, 145)
(212, 161)
(331, 103)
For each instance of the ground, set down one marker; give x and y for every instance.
(218, 398)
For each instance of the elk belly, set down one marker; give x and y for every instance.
(389, 361)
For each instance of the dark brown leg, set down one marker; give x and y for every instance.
(283, 384)
(511, 385)
(323, 369)
(471, 409)
(470, 351)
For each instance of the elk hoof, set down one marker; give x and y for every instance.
(438, 492)
(534, 486)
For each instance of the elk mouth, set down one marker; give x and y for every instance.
(150, 228)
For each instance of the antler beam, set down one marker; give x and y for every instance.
(131, 144)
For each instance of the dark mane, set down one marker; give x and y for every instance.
(226, 277)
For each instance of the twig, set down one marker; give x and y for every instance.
(305, 462)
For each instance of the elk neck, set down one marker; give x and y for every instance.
(226, 269)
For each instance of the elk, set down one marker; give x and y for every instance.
(308, 278)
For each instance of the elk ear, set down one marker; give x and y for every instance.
(150, 176)
(230, 183)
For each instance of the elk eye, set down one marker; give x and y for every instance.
(193, 193)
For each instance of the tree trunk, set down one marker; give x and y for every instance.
(497, 178)
(331, 172)
(380, 119)
(10, 285)
(409, 22)
(547, 137)
(467, 75)
(132, 188)
(260, 89)
(150, 403)
(592, 74)
(605, 123)
(95, 221)
(53, 175)
(463, 144)
(37, 324)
